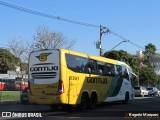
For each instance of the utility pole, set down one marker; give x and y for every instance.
(100, 41)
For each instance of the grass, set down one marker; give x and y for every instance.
(10, 95)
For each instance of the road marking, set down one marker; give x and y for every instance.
(141, 102)
(137, 98)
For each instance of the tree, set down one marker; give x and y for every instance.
(156, 60)
(145, 67)
(18, 50)
(149, 49)
(148, 76)
(158, 82)
(147, 72)
(125, 57)
(46, 39)
(8, 61)
(149, 52)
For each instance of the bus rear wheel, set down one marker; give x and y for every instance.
(84, 101)
(54, 107)
(93, 101)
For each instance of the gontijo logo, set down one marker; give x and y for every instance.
(43, 57)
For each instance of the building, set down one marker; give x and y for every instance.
(139, 54)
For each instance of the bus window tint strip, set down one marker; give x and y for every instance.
(85, 65)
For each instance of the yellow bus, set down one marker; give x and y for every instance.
(65, 77)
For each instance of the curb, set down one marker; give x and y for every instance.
(9, 102)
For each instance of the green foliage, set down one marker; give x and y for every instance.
(148, 53)
(9, 61)
(125, 57)
(148, 76)
(158, 82)
(24, 67)
(10, 95)
(149, 49)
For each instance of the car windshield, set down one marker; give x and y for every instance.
(136, 88)
(143, 88)
(149, 88)
(155, 88)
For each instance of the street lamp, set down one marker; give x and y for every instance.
(119, 44)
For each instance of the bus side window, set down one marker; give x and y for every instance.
(84, 62)
(119, 70)
(101, 67)
(130, 76)
(126, 74)
(113, 70)
(92, 66)
(74, 62)
(109, 70)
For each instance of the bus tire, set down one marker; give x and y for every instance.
(93, 101)
(84, 101)
(23, 102)
(54, 107)
(126, 100)
(67, 107)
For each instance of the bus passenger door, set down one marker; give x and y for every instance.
(72, 89)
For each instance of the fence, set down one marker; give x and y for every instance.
(11, 89)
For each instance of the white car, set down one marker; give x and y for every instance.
(153, 91)
(141, 91)
(158, 92)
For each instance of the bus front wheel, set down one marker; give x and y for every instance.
(126, 100)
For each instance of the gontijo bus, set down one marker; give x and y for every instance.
(70, 78)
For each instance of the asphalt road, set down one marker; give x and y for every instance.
(141, 107)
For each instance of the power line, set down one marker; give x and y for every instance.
(44, 14)
(64, 19)
(116, 34)
(121, 37)
(136, 45)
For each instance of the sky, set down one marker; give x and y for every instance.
(136, 20)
